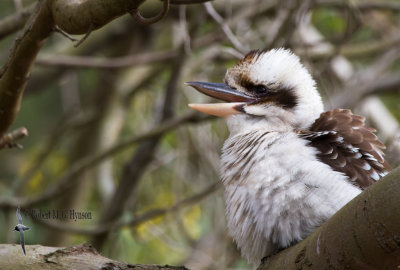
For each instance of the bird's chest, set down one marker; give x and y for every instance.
(257, 188)
(254, 171)
(267, 198)
(252, 160)
(277, 192)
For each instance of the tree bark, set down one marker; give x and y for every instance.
(82, 257)
(364, 235)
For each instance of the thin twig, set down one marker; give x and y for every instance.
(362, 82)
(351, 50)
(386, 84)
(78, 168)
(92, 26)
(68, 61)
(16, 21)
(184, 29)
(133, 169)
(361, 5)
(9, 140)
(60, 31)
(53, 139)
(225, 28)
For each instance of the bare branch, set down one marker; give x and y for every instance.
(71, 17)
(15, 73)
(364, 6)
(58, 30)
(16, 21)
(227, 30)
(89, 31)
(9, 140)
(77, 17)
(68, 61)
(362, 82)
(63, 258)
(353, 50)
(67, 181)
(144, 154)
(284, 23)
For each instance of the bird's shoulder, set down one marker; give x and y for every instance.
(347, 145)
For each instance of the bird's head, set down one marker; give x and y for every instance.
(16, 228)
(270, 87)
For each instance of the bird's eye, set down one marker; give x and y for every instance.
(259, 89)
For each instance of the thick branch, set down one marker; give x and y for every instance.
(16, 71)
(78, 17)
(365, 234)
(55, 258)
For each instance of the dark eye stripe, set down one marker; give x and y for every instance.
(284, 97)
(257, 90)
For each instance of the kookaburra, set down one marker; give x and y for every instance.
(287, 166)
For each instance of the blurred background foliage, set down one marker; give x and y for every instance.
(81, 101)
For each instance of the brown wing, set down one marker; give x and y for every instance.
(348, 146)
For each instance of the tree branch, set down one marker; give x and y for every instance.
(15, 73)
(60, 258)
(73, 17)
(361, 5)
(225, 28)
(16, 21)
(144, 154)
(69, 61)
(77, 17)
(75, 170)
(364, 81)
(9, 140)
(365, 234)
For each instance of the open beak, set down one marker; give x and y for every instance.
(236, 100)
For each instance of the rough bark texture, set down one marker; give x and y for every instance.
(82, 257)
(365, 234)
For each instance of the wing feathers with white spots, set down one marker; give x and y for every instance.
(348, 146)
